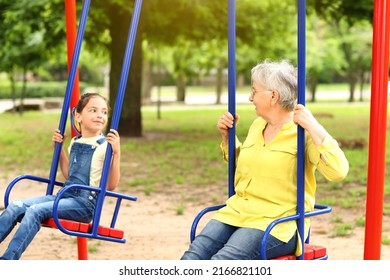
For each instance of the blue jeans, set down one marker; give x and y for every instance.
(219, 241)
(75, 204)
(78, 205)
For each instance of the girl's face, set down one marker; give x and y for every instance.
(93, 118)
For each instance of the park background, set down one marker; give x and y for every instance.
(175, 93)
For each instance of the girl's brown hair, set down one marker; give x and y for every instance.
(84, 99)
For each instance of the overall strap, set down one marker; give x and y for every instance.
(101, 140)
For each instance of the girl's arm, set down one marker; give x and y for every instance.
(114, 175)
(58, 138)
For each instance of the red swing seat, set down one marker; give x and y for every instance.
(310, 251)
(75, 228)
(84, 228)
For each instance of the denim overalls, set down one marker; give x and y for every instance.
(76, 204)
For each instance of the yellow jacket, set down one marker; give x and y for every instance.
(266, 177)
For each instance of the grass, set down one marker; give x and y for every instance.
(179, 153)
(201, 90)
(343, 229)
(182, 148)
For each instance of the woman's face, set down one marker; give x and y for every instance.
(261, 98)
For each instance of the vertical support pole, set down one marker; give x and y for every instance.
(71, 31)
(231, 92)
(377, 135)
(82, 248)
(301, 131)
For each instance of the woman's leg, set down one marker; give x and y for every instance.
(244, 244)
(210, 240)
(277, 248)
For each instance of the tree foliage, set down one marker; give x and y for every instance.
(346, 17)
(196, 28)
(29, 31)
(351, 10)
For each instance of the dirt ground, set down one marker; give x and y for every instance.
(154, 231)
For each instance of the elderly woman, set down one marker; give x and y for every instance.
(266, 170)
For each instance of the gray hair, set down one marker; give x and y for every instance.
(280, 76)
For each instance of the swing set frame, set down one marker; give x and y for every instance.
(377, 136)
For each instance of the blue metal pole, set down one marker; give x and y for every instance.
(232, 92)
(117, 108)
(301, 131)
(68, 93)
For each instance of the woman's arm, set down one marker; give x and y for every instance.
(327, 155)
(304, 118)
(225, 122)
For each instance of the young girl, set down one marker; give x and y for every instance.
(84, 167)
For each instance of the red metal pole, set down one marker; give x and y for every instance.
(71, 33)
(378, 125)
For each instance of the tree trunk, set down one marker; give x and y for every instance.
(219, 81)
(240, 80)
(130, 123)
(181, 88)
(313, 82)
(351, 93)
(23, 94)
(313, 93)
(158, 83)
(147, 81)
(352, 84)
(362, 79)
(13, 91)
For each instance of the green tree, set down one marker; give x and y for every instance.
(28, 31)
(168, 22)
(263, 33)
(184, 67)
(164, 23)
(353, 11)
(161, 22)
(347, 17)
(324, 58)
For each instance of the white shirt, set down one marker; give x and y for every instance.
(97, 158)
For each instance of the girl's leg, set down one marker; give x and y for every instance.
(210, 240)
(68, 208)
(15, 212)
(28, 227)
(244, 244)
(78, 208)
